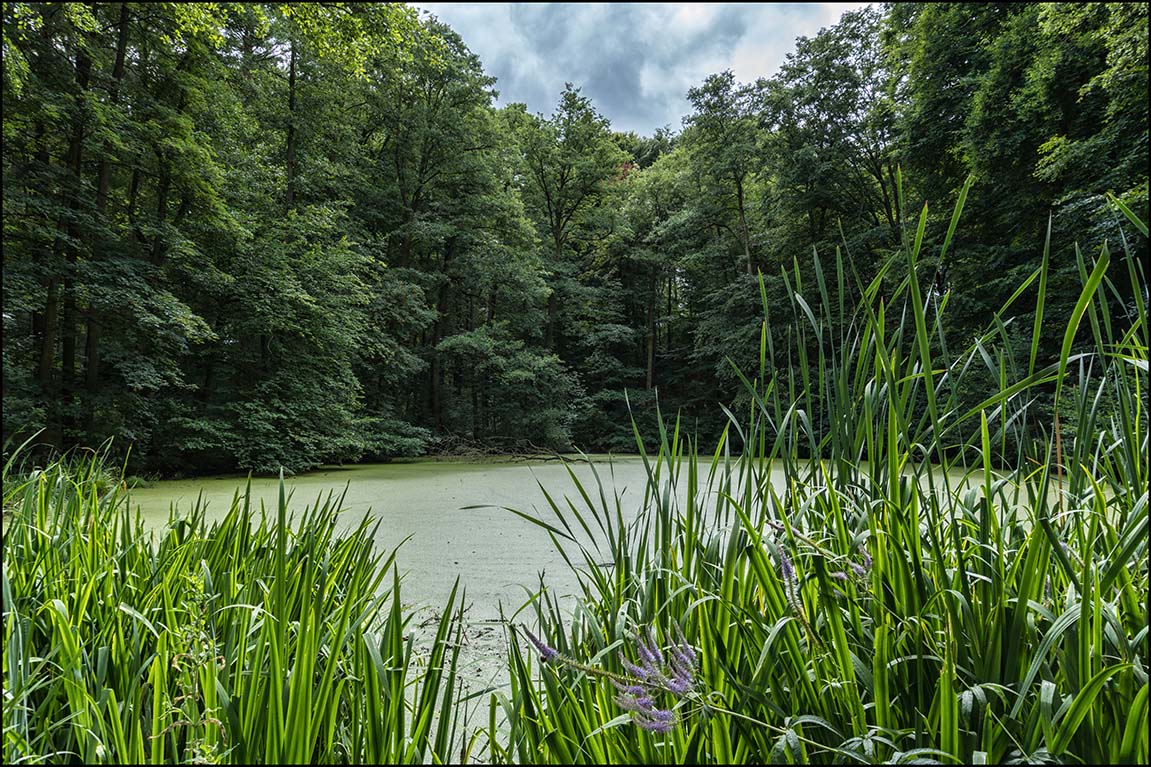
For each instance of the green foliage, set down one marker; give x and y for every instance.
(904, 598)
(239, 642)
(261, 235)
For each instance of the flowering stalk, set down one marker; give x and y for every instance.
(653, 675)
(831, 556)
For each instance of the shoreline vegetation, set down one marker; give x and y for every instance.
(872, 332)
(855, 615)
(240, 237)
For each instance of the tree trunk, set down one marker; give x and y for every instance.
(291, 148)
(553, 308)
(406, 245)
(48, 339)
(44, 323)
(104, 173)
(437, 372)
(164, 186)
(206, 388)
(743, 232)
(68, 309)
(476, 431)
(133, 199)
(103, 184)
(651, 332)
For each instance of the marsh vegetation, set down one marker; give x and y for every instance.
(877, 355)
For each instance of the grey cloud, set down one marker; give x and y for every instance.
(635, 61)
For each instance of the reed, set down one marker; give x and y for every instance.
(941, 580)
(277, 640)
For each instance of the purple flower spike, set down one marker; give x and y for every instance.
(637, 704)
(866, 557)
(680, 685)
(786, 569)
(640, 672)
(652, 647)
(628, 689)
(656, 727)
(683, 651)
(546, 653)
(653, 676)
(647, 655)
(839, 575)
(658, 721)
(857, 568)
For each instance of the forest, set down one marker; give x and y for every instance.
(865, 342)
(240, 236)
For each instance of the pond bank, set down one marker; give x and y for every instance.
(445, 516)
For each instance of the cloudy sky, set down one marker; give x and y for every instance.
(635, 60)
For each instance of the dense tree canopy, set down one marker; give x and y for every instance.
(243, 235)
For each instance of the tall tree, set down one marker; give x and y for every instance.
(569, 161)
(723, 134)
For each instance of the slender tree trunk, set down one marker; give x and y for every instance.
(553, 307)
(651, 332)
(291, 148)
(103, 185)
(133, 199)
(247, 51)
(48, 338)
(42, 326)
(104, 172)
(437, 372)
(45, 323)
(476, 431)
(743, 231)
(205, 393)
(68, 308)
(137, 173)
(888, 211)
(163, 188)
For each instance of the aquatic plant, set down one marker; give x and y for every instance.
(948, 580)
(256, 639)
(644, 681)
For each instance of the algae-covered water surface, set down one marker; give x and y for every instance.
(430, 507)
(449, 518)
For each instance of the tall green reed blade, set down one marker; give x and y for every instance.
(237, 641)
(951, 611)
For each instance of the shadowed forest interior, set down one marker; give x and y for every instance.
(245, 236)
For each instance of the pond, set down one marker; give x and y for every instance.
(421, 506)
(427, 509)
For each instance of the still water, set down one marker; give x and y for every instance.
(427, 509)
(421, 508)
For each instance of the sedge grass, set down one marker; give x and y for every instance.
(871, 608)
(277, 642)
